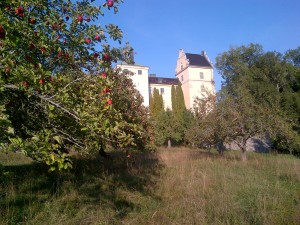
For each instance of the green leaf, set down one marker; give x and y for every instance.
(58, 139)
(51, 107)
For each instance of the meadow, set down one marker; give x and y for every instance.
(177, 186)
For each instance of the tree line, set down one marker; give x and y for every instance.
(260, 97)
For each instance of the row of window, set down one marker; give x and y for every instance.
(162, 90)
(201, 76)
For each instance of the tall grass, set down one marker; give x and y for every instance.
(177, 186)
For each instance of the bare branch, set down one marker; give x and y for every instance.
(69, 84)
(59, 106)
(69, 137)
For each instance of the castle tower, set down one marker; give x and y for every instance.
(195, 72)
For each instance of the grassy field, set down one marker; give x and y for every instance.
(178, 186)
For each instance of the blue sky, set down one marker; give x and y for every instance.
(157, 29)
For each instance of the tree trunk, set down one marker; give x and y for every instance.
(169, 144)
(244, 155)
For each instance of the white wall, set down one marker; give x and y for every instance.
(166, 95)
(195, 83)
(141, 82)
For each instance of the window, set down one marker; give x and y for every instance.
(181, 77)
(181, 67)
(162, 91)
(202, 88)
(140, 72)
(201, 76)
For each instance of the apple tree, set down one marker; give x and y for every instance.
(59, 90)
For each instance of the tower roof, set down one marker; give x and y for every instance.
(198, 60)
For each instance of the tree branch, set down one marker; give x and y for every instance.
(69, 84)
(59, 106)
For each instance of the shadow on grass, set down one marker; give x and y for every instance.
(95, 180)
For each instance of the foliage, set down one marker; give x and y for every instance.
(260, 90)
(169, 126)
(156, 103)
(59, 91)
(202, 130)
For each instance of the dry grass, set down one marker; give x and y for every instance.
(177, 186)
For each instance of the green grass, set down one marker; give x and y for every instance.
(177, 186)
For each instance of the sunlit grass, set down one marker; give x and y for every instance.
(177, 186)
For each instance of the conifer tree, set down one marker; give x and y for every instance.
(173, 97)
(156, 103)
(180, 99)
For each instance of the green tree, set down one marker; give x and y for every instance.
(156, 103)
(259, 91)
(59, 91)
(166, 128)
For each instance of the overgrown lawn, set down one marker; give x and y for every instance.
(178, 186)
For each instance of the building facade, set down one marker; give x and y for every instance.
(193, 71)
(140, 79)
(164, 86)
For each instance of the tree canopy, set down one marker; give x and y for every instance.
(59, 91)
(263, 91)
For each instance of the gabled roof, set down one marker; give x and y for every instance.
(163, 80)
(197, 60)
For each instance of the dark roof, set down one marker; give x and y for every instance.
(198, 60)
(162, 80)
(134, 64)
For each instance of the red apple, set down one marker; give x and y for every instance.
(2, 32)
(31, 46)
(110, 3)
(7, 70)
(103, 75)
(106, 90)
(87, 40)
(96, 55)
(59, 54)
(98, 38)
(25, 84)
(42, 81)
(109, 101)
(32, 20)
(55, 26)
(80, 18)
(43, 49)
(20, 11)
(106, 57)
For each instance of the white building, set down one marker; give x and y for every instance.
(194, 71)
(164, 86)
(140, 78)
